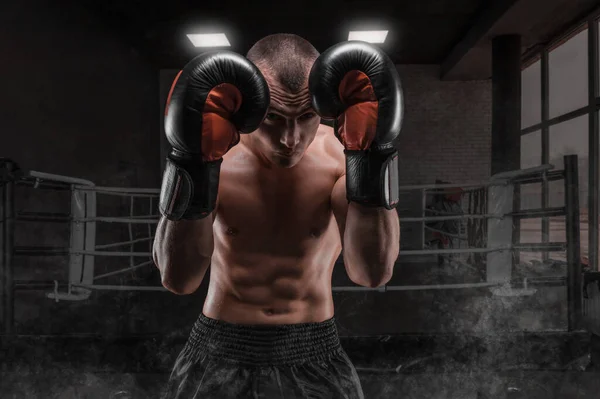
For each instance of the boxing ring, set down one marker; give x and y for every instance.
(485, 235)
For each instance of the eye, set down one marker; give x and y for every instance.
(273, 117)
(308, 115)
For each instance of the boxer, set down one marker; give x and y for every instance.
(257, 188)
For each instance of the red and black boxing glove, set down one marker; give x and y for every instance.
(357, 84)
(215, 97)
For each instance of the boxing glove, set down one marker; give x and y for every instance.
(357, 85)
(215, 97)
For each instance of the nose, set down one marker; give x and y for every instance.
(291, 136)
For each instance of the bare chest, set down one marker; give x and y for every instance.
(261, 208)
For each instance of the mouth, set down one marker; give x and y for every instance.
(287, 154)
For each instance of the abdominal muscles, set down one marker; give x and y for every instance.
(283, 278)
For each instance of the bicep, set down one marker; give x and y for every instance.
(339, 204)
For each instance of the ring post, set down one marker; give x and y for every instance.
(6, 266)
(574, 269)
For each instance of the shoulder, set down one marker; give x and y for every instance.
(331, 146)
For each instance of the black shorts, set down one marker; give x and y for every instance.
(223, 360)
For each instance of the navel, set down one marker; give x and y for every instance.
(274, 312)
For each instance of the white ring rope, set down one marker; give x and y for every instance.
(118, 244)
(151, 194)
(111, 253)
(119, 287)
(445, 233)
(117, 220)
(455, 217)
(123, 190)
(121, 271)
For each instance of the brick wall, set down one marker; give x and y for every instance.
(447, 128)
(446, 135)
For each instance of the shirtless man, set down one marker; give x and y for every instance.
(290, 198)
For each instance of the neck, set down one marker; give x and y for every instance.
(248, 144)
(274, 169)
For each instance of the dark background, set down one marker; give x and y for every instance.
(83, 91)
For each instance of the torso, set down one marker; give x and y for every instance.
(276, 239)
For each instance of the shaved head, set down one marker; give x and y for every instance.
(285, 58)
(291, 123)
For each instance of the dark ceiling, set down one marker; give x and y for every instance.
(445, 32)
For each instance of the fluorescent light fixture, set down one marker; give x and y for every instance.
(209, 40)
(369, 36)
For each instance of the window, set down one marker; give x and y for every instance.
(568, 75)
(531, 155)
(568, 84)
(531, 149)
(531, 95)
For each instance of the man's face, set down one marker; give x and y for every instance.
(289, 127)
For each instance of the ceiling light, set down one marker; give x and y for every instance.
(370, 36)
(209, 40)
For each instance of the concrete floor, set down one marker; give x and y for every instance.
(518, 384)
(513, 366)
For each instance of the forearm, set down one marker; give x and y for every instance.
(371, 244)
(182, 251)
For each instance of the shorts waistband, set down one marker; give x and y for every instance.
(265, 344)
